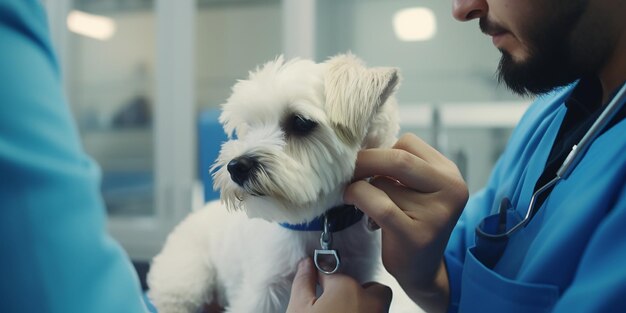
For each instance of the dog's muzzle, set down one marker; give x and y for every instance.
(242, 168)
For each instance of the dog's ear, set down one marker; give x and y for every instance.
(354, 94)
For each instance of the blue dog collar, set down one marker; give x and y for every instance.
(339, 218)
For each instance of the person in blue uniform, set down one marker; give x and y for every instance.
(55, 253)
(483, 255)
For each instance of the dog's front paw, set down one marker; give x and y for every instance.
(181, 280)
(174, 303)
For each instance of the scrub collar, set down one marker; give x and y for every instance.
(586, 97)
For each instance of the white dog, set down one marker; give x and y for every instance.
(298, 127)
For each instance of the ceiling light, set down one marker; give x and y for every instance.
(90, 25)
(415, 24)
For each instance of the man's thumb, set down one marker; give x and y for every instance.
(304, 285)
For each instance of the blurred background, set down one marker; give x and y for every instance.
(145, 79)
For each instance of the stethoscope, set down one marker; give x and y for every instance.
(495, 228)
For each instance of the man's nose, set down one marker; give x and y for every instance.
(465, 10)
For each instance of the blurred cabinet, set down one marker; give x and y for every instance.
(128, 68)
(111, 87)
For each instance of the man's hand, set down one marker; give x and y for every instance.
(416, 196)
(341, 293)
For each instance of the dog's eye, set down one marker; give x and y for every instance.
(300, 125)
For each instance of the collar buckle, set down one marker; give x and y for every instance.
(326, 259)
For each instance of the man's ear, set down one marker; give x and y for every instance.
(354, 94)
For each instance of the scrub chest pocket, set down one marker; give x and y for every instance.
(487, 291)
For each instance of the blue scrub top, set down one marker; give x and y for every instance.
(55, 253)
(571, 257)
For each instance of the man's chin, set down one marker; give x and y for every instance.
(512, 74)
(530, 77)
(519, 55)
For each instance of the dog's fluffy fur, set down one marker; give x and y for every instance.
(234, 251)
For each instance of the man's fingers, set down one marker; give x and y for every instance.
(408, 169)
(304, 284)
(405, 198)
(380, 292)
(417, 146)
(337, 283)
(376, 204)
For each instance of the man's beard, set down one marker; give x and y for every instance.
(552, 61)
(543, 71)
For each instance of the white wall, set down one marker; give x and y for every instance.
(232, 40)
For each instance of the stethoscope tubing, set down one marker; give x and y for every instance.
(573, 158)
(578, 150)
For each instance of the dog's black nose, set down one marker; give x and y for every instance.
(241, 169)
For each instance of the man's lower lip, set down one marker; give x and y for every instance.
(497, 39)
